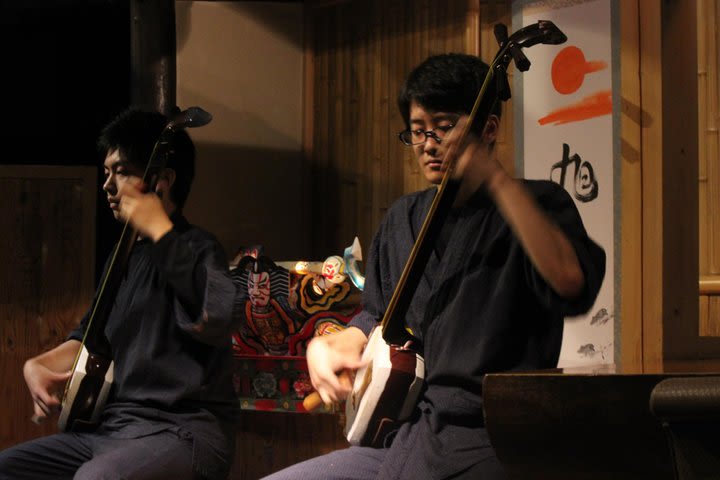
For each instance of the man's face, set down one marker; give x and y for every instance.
(430, 153)
(117, 173)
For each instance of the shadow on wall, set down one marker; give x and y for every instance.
(279, 17)
(248, 196)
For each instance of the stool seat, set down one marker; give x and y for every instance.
(689, 409)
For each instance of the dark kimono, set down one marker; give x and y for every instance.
(480, 307)
(170, 335)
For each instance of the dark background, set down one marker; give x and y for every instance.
(65, 72)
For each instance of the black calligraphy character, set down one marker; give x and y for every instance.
(586, 186)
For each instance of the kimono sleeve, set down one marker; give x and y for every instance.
(559, 206)
(196, 269)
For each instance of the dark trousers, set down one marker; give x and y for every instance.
(365, 463)
(86, 456)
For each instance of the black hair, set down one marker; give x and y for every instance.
(134, 133)
(448, 82)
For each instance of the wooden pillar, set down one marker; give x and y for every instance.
(632, 118)
(152, 53)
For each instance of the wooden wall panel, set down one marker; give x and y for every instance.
(631, 122)
(680, 171)
(270, 441)
(709, 165)
(362, 52)
(47, 253)
(651, 178)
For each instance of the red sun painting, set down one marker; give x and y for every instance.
(568, 72)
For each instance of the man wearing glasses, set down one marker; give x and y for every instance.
(510, 262)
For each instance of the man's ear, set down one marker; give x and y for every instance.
(492, 127)
(166, 179)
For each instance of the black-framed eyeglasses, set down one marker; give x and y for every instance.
(418, 136)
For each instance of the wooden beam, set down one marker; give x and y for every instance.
(631, 120)
(152, 52)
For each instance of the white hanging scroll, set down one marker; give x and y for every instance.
(566, 128)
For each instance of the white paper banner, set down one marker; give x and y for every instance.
(567, 136)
